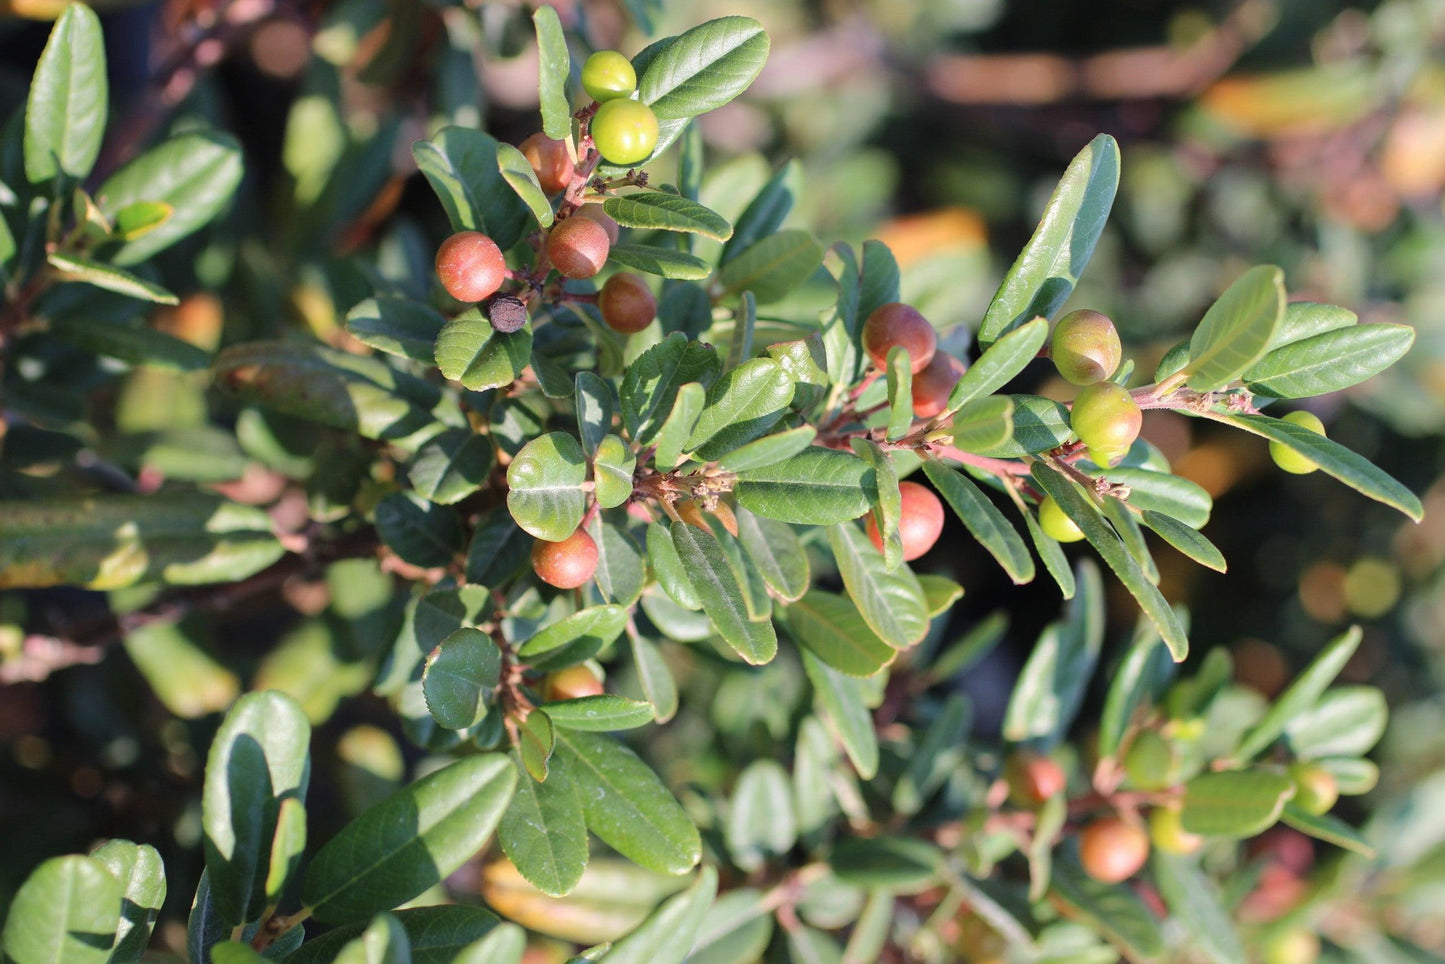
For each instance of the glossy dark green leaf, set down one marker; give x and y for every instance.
(887, 513)
(142, 877)
(410, 841)
(397, 326)
(1164, 493)
(742, 405)
(832, 628)
(1235, 803)
(1330, 361)
(499, 548)
(891, 603)
(1039, 424)
(601, 713)
(544, 486)
(287, 846)
(1049, 266)
(1301, 695)
(771, 266)
(818, 486)
(1237, 329)
(704, 68)
(436, 934)
(66, 108)
(841, 699)
(658, 210)
(899, 372)
(650, 386)
(769, 450)
(596, 403)
(553, 69)
(654, 677)
(205, 929)
(1305, 319)
(668, 933)
(420, 532)
(594, 627)
(1000, 362)
(984, 424)
(1186, 540)
(721, 594)
(451, 466)
(460, 674)
(1055, 561)
(73, 267)
(66, 912)
(620, 570)
(894, 863)
(665, 262)
(678, 427)
(461, 165)
(759, 821)
(984, 520)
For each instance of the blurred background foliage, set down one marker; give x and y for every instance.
(1307, 133)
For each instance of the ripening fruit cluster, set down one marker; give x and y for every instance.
(1086, 351)
(935, 372)
(624, 130)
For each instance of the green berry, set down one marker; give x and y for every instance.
(1315, 788)
(1056, 524)
(1292, 947)
(1085, 347)
(1286, 457)
(1107, 420)
(625, 131)
(607, 75)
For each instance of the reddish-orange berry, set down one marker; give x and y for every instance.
(571, 683)
(566, 564)
(550, 161)
(626, 303)
(1033, 778)
(1112, 849)
(933, 384)
(470, 266)
(578, 247)
(899, 324)
(919, 525)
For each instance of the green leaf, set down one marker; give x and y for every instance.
(818, 486)
(1112, 551)
(654, 678)
(1330, 361)
(660, 211)
(1301, 695)
(582, 634)
(422, 533)
(1113, 910)
(652, 382)
(66, 912)
(735, 930)
(704, 68)
(673, 435)
(832, 628)
(612, 469)
(601, 713)
(469, 350)
(1164, 493)
(1235, 803)
(1039, 424)
(984, 520)
(984, 424)
(667, 567)
(665, 262)
(894, 863)
(1237, 329)
(73, 267)
(499, 548)
(553, 69)
(887, 514)
(397, 326)
(436, 934)
(66, 108)
(506, 944)
(936, 755)
(259, 757)
(1347, 721)
(768, 450)
(841, 699)
(776, 554)
(1000, 363)
(462, 167)
(536, 739)
(1304, 319)
(460, 674)
(205, 930)
(596, 403)
(721, 594)
(1049, 266)
(767, 210)
(134, 345)
(517, 171)
(383, 942)
(235, 952)
(1140, 674)
(770, 267)
(940, 592)
(544, 486)
(1132, 536)
(410, 841)
(1051, 817)
(1186, 540)
(805, 360)
(760, 815)
(668, 933)
(741, 405)
(451, 466)
(891, 603)
(620, 574)
(1328, 828)
(141, 217)
(1195, 900)
(1051, 686)
(626, 805)
(195, 173)
(1334, 459)
(900, 393)
(286, 848)
(142, 877)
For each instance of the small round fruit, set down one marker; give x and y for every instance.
(566, 564)
(578, 247)
(550, 162)
(897, 324)
(1166, 830)
(1056, 524)
(1151, 763)
(1315, 788)
(933, 384)
(1106, 418)
(1033, 778)
(607, 75)
(919, 525)
(625, 131)
(571, 683)
(470, 266)
(1286, 457)
(1296, 946)
(1085, 347)
(595, 212)
(627, 303)
(1112, 850)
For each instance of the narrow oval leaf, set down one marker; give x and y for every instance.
(397, 326)
(1192, 897)
(776, 553)
(832, 628)
(1143, 671)
(741, 405)
(596, 626)
(721, 595)
(984, 520)
(1113, 910)
(704, 68)
(1237, 329)
(768, 450)
(668, 933)
(898, 864)
(1235, 803)
(65, 112)
(134, 345)
(840, 698)
(1000, 362)
(771, 267)
(554, 67)
(66, 912)
(984, 424)
(672, 437)
(818, 486)
(891, 602)
(1051, 686)
(142, 877)
(601, 713)
(461, 165)
(459, 676)
(436, 934)
(544, 486)
(1164, 493)
(658, 210)
(1186, 540)
(1301, 695)
(666, 262)
(1347, 721)
(1330, 361)
(1328, 828)
(760, 815)
(72, 267)
(1039, 424)
(517, 171)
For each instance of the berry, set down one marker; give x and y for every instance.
(899, 324)
(550, 161)
(1033, 778)
(1166, 831)
(566, 564)
(1112, 850)
(1056, 524)
(578, 247)
(571, 683)
(470, 266)
(625, 131)
(1286, 457)
(1085, 347)
(1107, 420)
(1297, 946)
(932, 385)
(595, 212)
(626, 303)
(1315, 788)
(919, 525)
(607, 75)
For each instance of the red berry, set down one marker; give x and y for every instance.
(1112, 850)
(550, 162)
(578, 247)
(1033, 778)
(932, 385)
(626, 303)
(899, 324)
(571, 683)
(470, 266)
(566, 564)
(920, 524)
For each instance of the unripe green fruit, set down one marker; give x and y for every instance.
(896, 324)
(1085, 347)
(571, 683)
(1292, 947)
(566, 564)
(1166, 831)
(1107, 420)
(626, 303)
(1315, 788)
(551, 162)
(608, 75)
(1151, 762)
(578, 247)
(625, 131)
(1056, 524)
(1033, 778)
(919, 525)
(470, 266)
(1286, 457)
(933, 385)
(1112, 849)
